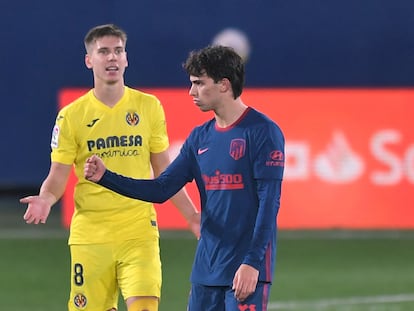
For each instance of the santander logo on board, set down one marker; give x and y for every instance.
(340, 163)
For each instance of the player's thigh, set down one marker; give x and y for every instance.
(255, 302)
(139, 268)
(93, 278)
(206, 298)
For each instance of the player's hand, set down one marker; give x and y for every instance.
(37, 211)
(245, 281)
(194, 224)
(94, 168)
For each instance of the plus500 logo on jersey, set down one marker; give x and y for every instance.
(221, 181)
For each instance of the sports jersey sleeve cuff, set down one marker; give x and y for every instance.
(104, 178)
(253, 263)
(108, 180)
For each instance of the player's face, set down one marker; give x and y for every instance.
(206, 93)
(107, 58)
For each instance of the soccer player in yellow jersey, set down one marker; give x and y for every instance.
(114, 240)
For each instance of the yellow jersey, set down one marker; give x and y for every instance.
(124, 136)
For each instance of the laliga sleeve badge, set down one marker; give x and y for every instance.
(55, 137)
(80, 301)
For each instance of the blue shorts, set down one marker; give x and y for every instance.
(221, 298)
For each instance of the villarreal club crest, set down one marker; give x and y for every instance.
(132, 118)
(80, 301)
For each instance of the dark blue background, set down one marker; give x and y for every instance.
(295, 43)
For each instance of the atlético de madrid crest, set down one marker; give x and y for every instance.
(237, 148)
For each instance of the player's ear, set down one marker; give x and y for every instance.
(88, 61)
(225, 85)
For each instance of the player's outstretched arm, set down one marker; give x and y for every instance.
(53, 187)
(181, 200)
(150, 190)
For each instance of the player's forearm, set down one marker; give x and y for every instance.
(51, 191)
(54, 185)
(149, 190)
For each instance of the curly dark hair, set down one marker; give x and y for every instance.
(217, 62)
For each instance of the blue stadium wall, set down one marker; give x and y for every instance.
(295, 43)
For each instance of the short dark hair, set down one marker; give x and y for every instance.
(100, 31)
(217, 62)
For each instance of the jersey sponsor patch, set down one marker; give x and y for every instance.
(55, 137)
(80, 301)
(220, 181)
(276, 158)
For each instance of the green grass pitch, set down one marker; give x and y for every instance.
(315, 272)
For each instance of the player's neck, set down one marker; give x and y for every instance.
(109, 94)
(229, 113)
